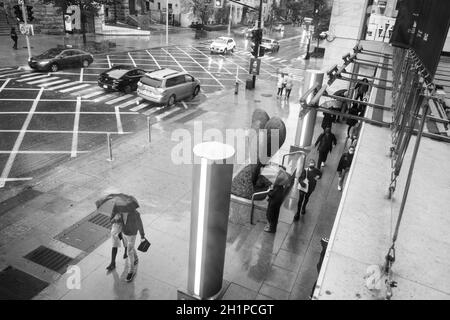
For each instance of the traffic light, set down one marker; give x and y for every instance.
(30, 13)
(18, 13)
(256, 39)
(218, 3)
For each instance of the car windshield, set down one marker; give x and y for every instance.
(266, 41)
(117, 73)
(220, 40)
(152, 82)
(51, 53)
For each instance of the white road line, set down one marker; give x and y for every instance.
(8, 68)
(153, 59)
(43, 80)
(139, 107)
(84, 91)
(28, 75)
(18, 143)
(93, 94)
(120, 99)
(152, 110)
(182, 115)
(81, 74)
(219, 65)
(132, 60)
(76, 123)
(54, 82)
(167, 113)
(66, 112)
(109, 62)
(74, 88)
(261, 63)
(62, 86)
(174, 59)
(66, 131)
(202, 67)
(35, 152)
(15, 179)
(184, 104)
(132, 101)
(11, 74)
(119, 122)
(108, 96)
(4, 84)
(32, 78)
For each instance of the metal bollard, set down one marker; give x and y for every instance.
(236, 87)
(149, 125)
(109, 147)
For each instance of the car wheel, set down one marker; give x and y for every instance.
(196, 91)
(225, 51)
(85, 63)
(171, 101)
(232, 49)
(54, 67)
(127, 89)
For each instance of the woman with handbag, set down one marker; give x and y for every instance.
(307, 184)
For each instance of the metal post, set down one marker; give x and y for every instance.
(305, 125)
(211, 186)
(149, 125)
(229, 19)
(26, 24)
(108, 141)
(167, 22)
(236, 85)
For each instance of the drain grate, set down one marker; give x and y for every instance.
(18, 285)
(101, 220)
(49, 258)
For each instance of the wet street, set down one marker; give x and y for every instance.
(47, 118)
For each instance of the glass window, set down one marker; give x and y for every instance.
(174, 81)
(188, 78)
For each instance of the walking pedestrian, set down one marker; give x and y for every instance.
(354, 133)
(276, 196)
(361, 89)
(132, 223)
(280, 84)
(289, 84)
(354, 110)
(14, 37)
(328, 120)
(324, 145)
(344, 165)
(116, 237)
(307, 183)
(341, 105)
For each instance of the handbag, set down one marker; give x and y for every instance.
(305, 181)
(144, 245)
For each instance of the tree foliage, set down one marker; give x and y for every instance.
(318, 10)
(201, 9)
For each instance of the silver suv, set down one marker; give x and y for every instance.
(166, 86)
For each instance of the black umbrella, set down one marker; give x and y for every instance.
(116, 202)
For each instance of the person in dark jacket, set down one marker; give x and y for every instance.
(328, 120)
(14, 37)
(344, 165)
(132, 223)
(311, 174)
(361, 89)
(276, 196)
(324, 145)
(354, 110)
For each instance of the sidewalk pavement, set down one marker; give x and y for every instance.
(258, 265)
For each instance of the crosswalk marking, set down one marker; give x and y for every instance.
(74, 88)
(182, 115)
(52, 83)
(32, 78)
(28, 75)
(167, 113)
(108, 96)
(84, 91)
(93, 94)
(43, 80)
(63, 85)
(130, 102)
(120, 99)
(152, 110)
(140, 107)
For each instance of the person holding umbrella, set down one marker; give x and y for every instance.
(127, 219)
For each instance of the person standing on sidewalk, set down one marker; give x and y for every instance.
(276, 196)
(14, 37)
(307, 183)
(289, 84)
(280, 84)
(354, 110)
(324, 145)
(361, 89)
(132, 224)
(344, 165)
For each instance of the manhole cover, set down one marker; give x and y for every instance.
(267, 95)
(257, 101)
(18, 285)
(101, 220)
(86, 235)
(50, 259)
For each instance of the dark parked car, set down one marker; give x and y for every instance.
(59, 58)
(121, 78)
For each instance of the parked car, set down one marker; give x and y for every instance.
(166, 86)
(59, 58)
(222, 45)
(249, 31)
(270, 45)
(120, 78)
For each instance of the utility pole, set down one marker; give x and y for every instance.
(258, 42)
(24, 13)
(229, 19)
(167, 22)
